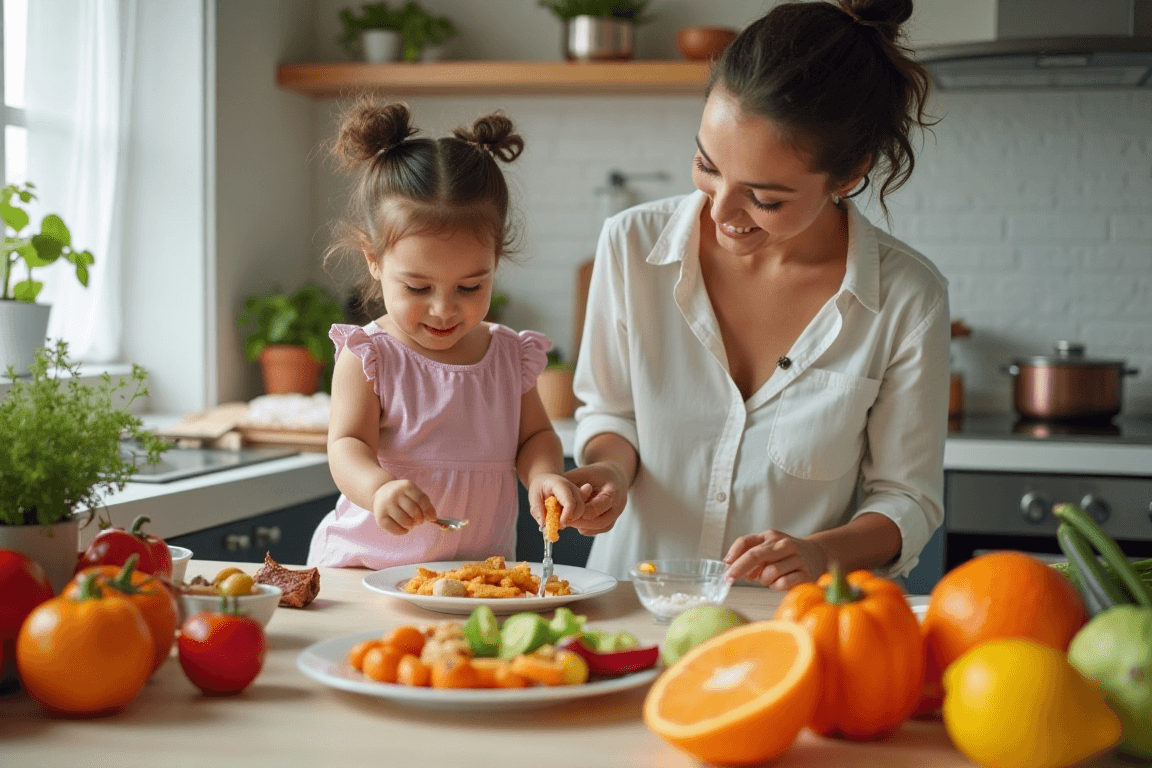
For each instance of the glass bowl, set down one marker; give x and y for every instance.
(677, 585)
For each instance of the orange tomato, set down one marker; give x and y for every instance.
(454, 672)
(407, 639)
(1000, 595)
(382, 663)
(870, 650)
(412, 671)
(84, 655)
(360, 650)
(154, 601)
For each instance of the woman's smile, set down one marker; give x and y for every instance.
(732, 231)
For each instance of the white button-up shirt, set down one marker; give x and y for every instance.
(855, 424)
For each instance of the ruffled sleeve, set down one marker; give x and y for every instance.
(357, 341)
(534, 348)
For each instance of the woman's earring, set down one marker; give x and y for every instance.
(835, 199)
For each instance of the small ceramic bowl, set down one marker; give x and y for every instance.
(674, 586)
(180, 558)
(260, 605)
(704, 43)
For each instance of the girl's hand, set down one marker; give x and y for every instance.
(775, 560)
(399, 506)
(570, 497)
(606, 491)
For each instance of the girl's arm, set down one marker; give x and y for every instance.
(354, 433)
(540, 461)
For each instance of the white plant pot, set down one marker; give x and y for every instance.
(380, 45)
(23, 330)
(55, 548)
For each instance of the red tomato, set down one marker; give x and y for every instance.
(23, 586)
(113, 546)
(221, 652)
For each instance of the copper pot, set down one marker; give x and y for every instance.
(1068, 386)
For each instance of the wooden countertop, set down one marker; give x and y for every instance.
(287, 719)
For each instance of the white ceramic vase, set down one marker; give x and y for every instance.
(23, 330)
(380, 45)
(54, 547)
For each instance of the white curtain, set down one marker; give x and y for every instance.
(79, 85)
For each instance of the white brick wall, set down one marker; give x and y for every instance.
(1037, 207)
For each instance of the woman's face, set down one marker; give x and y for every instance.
(761, 192)
(437, 287)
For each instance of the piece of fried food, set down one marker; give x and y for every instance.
(552, 519)
(449, 588)
(493, 590)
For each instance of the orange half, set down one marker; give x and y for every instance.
(740, 698)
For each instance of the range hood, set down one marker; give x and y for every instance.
(1051, 44)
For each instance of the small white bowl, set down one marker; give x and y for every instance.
(260, 605)
(677, 585)
(180, 558)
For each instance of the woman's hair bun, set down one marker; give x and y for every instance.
(371, 128)
(494, 133)
(885, 16)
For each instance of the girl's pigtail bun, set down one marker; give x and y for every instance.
(494, 133)
(885, 16)
(371, 129)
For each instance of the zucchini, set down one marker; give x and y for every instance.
(1099, 591)
(1076, 518)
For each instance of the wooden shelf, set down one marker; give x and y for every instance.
(495, 77)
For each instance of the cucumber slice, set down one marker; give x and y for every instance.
(482, 632)
(523, 633)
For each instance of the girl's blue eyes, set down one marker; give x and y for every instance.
(460, 288)
(751, 195)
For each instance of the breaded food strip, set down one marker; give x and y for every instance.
(552, 519)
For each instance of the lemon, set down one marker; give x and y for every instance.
(694, 626)
(1014, 703)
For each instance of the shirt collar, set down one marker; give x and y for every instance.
(862, 272)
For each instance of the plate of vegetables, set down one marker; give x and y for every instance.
(482, 664)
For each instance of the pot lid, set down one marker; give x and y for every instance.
(1067, 354)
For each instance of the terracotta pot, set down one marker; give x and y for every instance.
(555, 388)
(703, 43)
(288, 368)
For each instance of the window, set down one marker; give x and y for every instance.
(14, 148)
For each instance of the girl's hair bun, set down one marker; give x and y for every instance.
(494, 133)
(885, 16)
(370, 129)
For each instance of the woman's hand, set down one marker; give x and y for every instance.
(570, 497)
(399, 506)
(775, 560)
(606, 489)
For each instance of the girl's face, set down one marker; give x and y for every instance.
(437, 287)
(760, 190)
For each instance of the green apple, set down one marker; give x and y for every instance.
(1114, 651)
(696, 625)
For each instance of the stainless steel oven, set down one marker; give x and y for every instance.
(988, 509)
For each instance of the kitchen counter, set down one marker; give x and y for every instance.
(287, 719)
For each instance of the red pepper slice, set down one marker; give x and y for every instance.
(612, 662)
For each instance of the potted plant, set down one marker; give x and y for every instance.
(597, 30)
(555, 387)
(61, 454)
(374, 34)
(424, 35)
(23, 322)
(290, 338)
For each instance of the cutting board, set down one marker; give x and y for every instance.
(210, 424)
(315, 439)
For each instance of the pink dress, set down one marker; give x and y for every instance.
(451, 429)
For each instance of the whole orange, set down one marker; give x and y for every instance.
(1000, 595)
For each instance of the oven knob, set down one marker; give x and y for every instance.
(1096, 507)
(1035, 507)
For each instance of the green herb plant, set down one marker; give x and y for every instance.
(420, 29)
(372, 16)
(625, 10)
(60, 446)
(302, 318)
(39, 249)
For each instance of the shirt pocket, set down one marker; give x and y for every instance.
(818, 433)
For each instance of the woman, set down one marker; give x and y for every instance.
(765, 372)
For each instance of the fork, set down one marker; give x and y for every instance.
(547, 571)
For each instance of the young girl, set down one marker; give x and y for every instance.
(434, 412)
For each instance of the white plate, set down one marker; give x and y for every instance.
(327, 662)
(583, 582)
